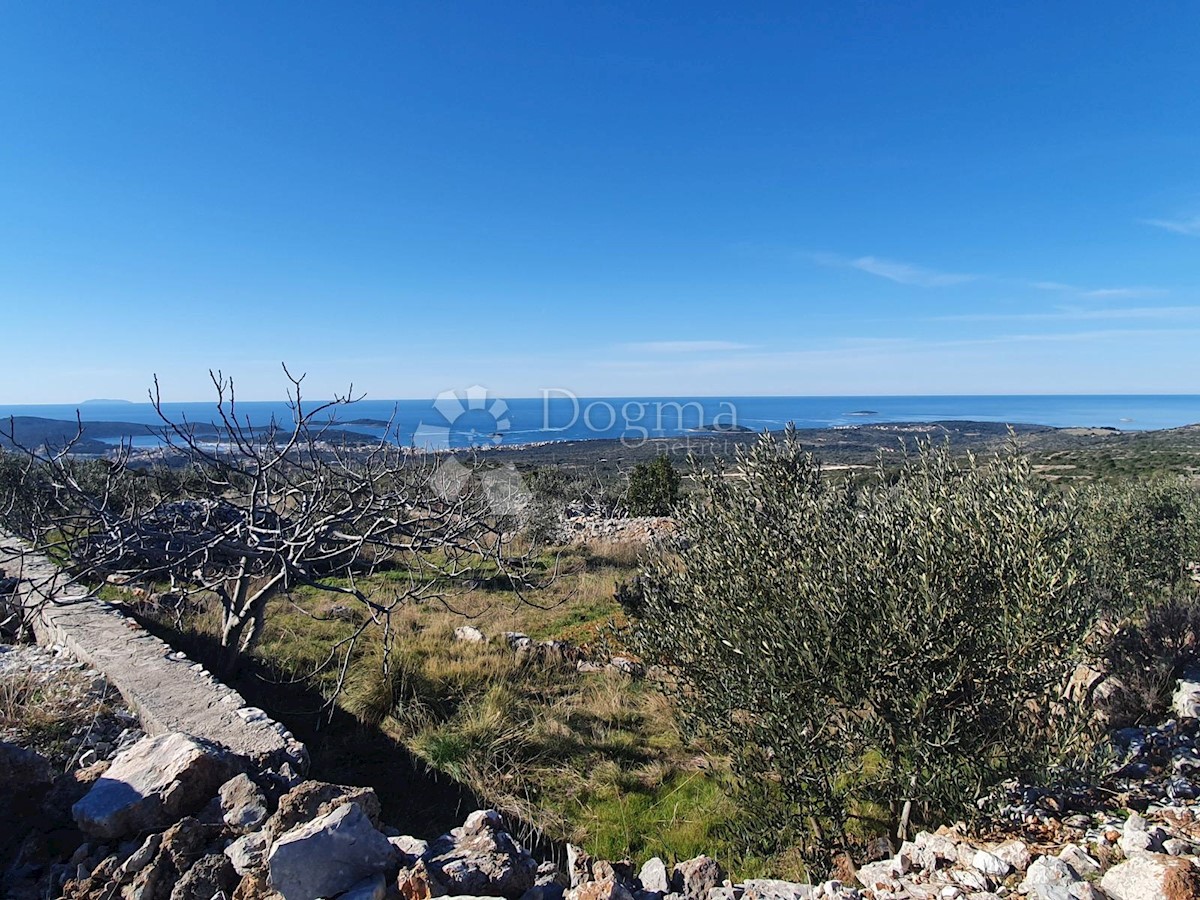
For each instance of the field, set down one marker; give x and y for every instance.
(594, 757)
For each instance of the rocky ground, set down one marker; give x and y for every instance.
(60, 708)
(97, 810)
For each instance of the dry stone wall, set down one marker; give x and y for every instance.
(168, 691)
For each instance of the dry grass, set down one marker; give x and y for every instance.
(594, 758)
(47, 711)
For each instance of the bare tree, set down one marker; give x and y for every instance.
(245, 513)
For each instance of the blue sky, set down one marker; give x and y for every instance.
(610, 198)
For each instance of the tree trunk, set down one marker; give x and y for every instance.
(233, 626)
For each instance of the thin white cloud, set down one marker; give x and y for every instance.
(1109, 293)
(1075, 315)
(907, 273)
(1189, 225)
(1080, 336)
(1125, 293)
(899, 272)
(904, 273)
(686, 346)
(861, 351)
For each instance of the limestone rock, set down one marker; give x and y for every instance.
(249, 852)
(907, 858)
(243, 804)
(548, 873)
(1137, 836)
(470, 634)
(328, 855)
(1047, 870)
(1015, 853)
(1051, 891)
(408, 849)
(1152, 876)
(579, 865)
(1082, 683)
(627, 666)
(774, 889)
(878, 876)
(372, 888)
(608, 889)
(1082, 863)
(206, 877)
(970, 880)
(654, 877)
(990, 864)
(312, 799)
(481, 858)
(1185, 702)
(935, 850)
(416, 883)
(619, 870)
(1176, 847)
(152, 784)
(138, 859)
(695, 877)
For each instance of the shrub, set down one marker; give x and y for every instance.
(1146, 534)
(873, 654)
(653, 488)
(550, 490)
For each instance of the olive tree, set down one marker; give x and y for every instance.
(1146, 533)
(871, 655)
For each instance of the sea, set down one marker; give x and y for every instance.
(479, 418)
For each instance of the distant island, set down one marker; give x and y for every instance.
(863, 412)
(723, 428)
(106, 402)
(374, 423)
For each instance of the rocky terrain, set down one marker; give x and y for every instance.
(112, 813)
(101, 802)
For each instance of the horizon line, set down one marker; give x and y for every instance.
(562, 394)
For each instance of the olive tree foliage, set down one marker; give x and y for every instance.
(245, 514)
(871, 655)
(1146, 533)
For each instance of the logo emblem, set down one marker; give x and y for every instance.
(474, 417)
